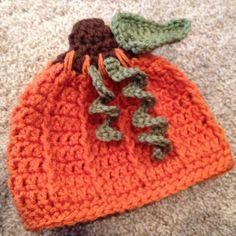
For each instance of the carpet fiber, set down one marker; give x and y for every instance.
(32, 32)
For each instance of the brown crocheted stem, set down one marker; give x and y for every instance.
(90, 37)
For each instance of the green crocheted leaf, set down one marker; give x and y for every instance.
(137, 34)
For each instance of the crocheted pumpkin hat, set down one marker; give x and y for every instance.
(109, 127)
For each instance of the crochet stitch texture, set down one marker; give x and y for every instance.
(61, 174)
(137, 34)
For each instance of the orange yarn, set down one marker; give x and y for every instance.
(69, 60)
(60, 174)
(86, 64)
(124, 60)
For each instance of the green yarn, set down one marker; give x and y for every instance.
(135, 33)
(140, 117)
(104, 132)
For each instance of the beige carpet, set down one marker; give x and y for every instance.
(32, 32)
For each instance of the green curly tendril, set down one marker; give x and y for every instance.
(104, 132)
(140, 118)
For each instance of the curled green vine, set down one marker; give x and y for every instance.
(141, 118)
(99, 106)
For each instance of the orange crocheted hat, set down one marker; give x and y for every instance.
(108, 127)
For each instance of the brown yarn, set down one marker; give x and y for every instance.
(91, 37)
